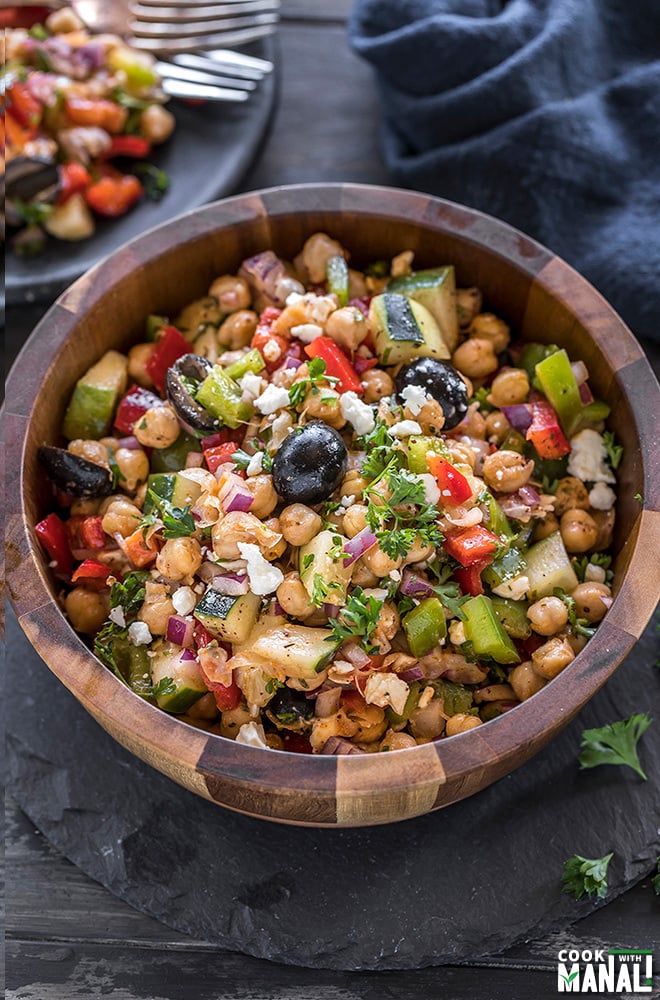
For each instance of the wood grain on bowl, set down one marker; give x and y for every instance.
(166, 268)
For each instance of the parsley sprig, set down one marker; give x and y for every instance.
(178, 522)
(242, 459)
(404, 516)
(615, 743)
(448, 590)
(315, 374)
(614, 450)
(127, 595)
(321, 590)
(382, 451)
(358, 619)
(579, 626)
(596, 559)
(586, 875)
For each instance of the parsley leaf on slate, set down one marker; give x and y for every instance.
(586, 875)
(615, 743)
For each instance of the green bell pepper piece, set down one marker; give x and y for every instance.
(498, 522)
(513, 617)
(594, 412)
(221, 396)
(484, 631)
(173, 458)
(250, 362)
(456, 697)
(425, 626)
(514, 441)
(559, 385)
(133, 665)
(154, 325)
(337, 273)
(532, 354)
(505, 567)
(418, 446)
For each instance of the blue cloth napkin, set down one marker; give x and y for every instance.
(545, 113)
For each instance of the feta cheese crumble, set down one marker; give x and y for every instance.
(271, 350)
(357, 413)
(264, 578)
(251, 734)
(587, 460)
(117, 616)
(139, 634)
(601, 497)
(307, 332)
(414, 397)
(516, 589)
(273, 398)
(405, 428)
(251, 384)
(184, 600)
(386, 689)
(255, 465)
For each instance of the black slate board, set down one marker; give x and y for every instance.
(466, 881)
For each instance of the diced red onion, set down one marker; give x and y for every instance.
(607, 601)
(92, 55)
(529, 496)
(187, 655)
(130, 442)
(356, 547)
(336, 746)
(413, 585)
(519, 415)
(232, 584)
(179, 631)
(291, 362)
(331, 610)
(586, 395)
(361, 304)
(327, 702)
(277, 609)
(580, 371)
(415, 673)
(363, 365)
(354, 654)
(234, 495)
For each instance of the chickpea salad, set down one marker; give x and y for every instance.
(80, 116)
(331, 510)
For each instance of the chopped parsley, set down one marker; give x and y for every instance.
(127, 595)
(614, 450)
(596, 559)
(549, 485)
(315, 374)
(579, 626)
(481, 397)
(321, 590)
(117, 475)
(178, 522)
(586, 875)
(381, 449)
(32, 212)
(242, 459)
(615, 743)
(163, 688)
(448, 590)
(306, 561)
(154, 180)
(357, 620)
(336, 550)
(395, 521)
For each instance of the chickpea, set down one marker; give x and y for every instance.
(546, 527)
(87, 609)
(93, 451)
(120, 515)
(473, 424)
(418, 552)
(324, 406)
(316, 253)
(379, 562)
(347, 327)
(589, 600)
(354, 484)
(355, 519)
(578, 530)
(84, 507)
(509, 387)
(158, 427)
(552, 657)
(548, 615)
(138, 357)
(497, 427)
(431, 417)
(179, 558)
(486, 326)
(265, 498)
(278, 545)
(525, 681)
(199, 313)
(63, 21)
(232, 292)
(299, 524)
(233, 720)
(506, 471)
(140, 495)
(377, 384)
(397, 741)
(156, 607)
(204, 708)
(468, 304)
(460, 723)
(494, 692)
(604, 521)
(206, 344)
(428, 721)
(476, 358)
(133, 465)
(571, 495)
(238, 329)
(156, 124)
(294, 598)
(357, 286)
(577, 642)
(462, 454)
(362, 576)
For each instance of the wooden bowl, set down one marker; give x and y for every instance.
(539, 294)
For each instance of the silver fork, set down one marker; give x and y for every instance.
(188, 26)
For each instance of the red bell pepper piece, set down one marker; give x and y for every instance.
(215, 457)
(25, 108)
(222, 436)
(107, 115)
(469, 578)
(171, 346)
(92, 574)
(113, 196)
(454, 487)
(73, 179)
(273, 356)
(201, 635)
(138, 550)
(471, 545)
(227, 696)
(134, 405)
(52, 535)
(337, 365)
(15, 135)
(92, 535)
(129, 145)
(296, 743)
(544, 431)
(363, 365)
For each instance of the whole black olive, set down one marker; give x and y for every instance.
(440, 380)
(193, 368)
(290, 709)
(74, 474)
(310, 464)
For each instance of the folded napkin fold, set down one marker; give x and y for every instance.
(545, 113)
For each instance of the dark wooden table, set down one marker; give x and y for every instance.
(67, 937)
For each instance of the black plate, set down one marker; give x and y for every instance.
(211, 149)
